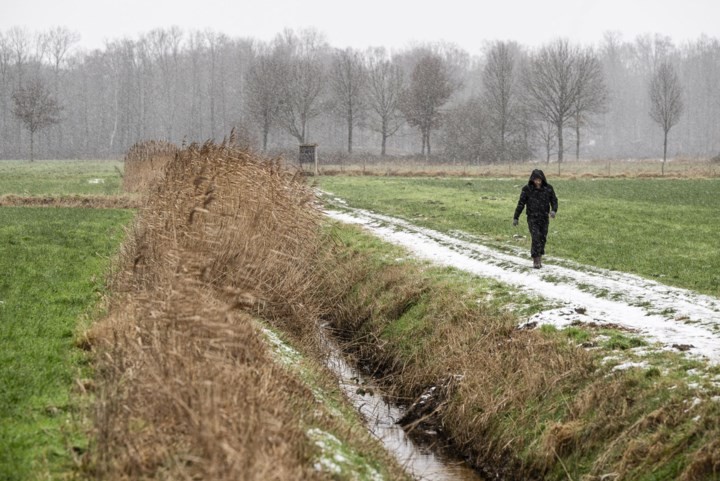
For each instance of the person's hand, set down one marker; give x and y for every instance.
(552, 214)
(515, 222)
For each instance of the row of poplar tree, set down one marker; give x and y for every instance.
(619, 99)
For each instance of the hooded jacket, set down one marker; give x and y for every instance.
(537, 202)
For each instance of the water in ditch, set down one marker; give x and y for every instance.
(421, 459)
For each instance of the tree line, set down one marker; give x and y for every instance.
(637, 98)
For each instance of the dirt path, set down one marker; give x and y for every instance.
(677, 319)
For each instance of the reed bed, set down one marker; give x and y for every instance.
(144, 164)
(187, 388)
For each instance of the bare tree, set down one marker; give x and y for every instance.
(36, 108)
(547, 134)
(215, 43)
(592, 94)
(552, 86)
(164, 50)
(666, 104)
(501, 96)
(262, 93)
(347, 79)
(303, 79)
(5, 57)
(465, 133)
(385, 84)
(58, 41)
(430, 88)
(19, 40)
(196, 47)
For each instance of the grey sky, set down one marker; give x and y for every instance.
(391, 23)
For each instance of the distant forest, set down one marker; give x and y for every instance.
(561, 100)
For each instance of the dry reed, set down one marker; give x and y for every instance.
(86, 201)
(186, 388)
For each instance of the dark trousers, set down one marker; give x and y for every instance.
(538, 231)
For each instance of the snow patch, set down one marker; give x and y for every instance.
(678, 319)
(334, 460)
(287, 355)
(629, 365)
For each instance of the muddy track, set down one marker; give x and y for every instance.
(669, 317)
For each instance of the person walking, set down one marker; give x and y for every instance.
(540, 203)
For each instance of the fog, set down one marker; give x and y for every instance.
(433, 100)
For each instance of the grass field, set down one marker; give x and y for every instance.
(59, 177)
(675, 168)
(53, 263)
(539, 393)
(661, 229)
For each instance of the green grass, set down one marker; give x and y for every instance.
(60, 177)
(53, 263)
(661, 229)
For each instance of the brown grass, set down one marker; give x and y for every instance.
(144, 164)
(187, 388)
(86, 201)
(630, 168)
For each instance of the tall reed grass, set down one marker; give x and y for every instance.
(187, 389)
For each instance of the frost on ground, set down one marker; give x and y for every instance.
(336, 458)
(677, 319)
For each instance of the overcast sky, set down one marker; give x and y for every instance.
(391, 23)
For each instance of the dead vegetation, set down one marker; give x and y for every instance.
(144, 164)
(679, 168)
(187, 388)
(86, 201)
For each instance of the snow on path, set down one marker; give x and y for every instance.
(676, 318)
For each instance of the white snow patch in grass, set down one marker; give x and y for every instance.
(96, 181)
(334, 460)
(286, 354)
(630, 364)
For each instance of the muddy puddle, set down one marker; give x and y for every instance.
(420, 455)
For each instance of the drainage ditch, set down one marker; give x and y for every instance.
(421, 456)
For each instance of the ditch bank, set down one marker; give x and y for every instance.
(521, 403)
(405, 432)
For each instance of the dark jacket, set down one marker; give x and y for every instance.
(538, 202)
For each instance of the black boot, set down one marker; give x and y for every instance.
(539, 262)
(536, 262)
